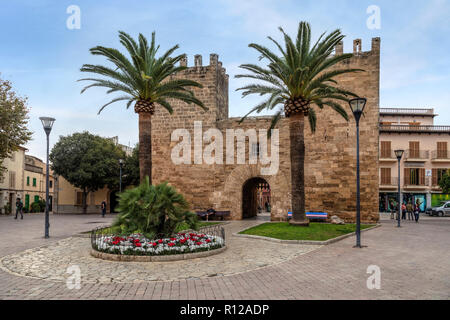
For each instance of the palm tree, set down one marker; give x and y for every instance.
(146, 80)
(302, 77)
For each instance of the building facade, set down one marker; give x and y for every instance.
(11, 183)
(425, 160)
(34, 184)
(330, 163)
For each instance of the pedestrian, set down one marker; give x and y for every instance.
(417, 210)
(392, 205)
(410, 210)
(19, 208)
(103, 206)
(403, 211)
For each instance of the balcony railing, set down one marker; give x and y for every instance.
(414, 129)
(387, 155)
(388, 181)
(417, 154)
(440, 155)
(406, 111)
(411, 184)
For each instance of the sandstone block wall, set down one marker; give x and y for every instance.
(330, 166)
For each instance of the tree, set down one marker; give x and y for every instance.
(130, 171)
(145, 79)
(87, 161)
(13, 122)
(302, 77)
(444, 183)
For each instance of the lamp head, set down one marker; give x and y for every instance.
(47, 123)
(399, 154)
(357, 106)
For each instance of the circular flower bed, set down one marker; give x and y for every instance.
(138, 245)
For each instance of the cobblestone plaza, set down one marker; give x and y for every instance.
(413, 261)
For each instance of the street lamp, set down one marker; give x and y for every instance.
(47, 123)
(357, 106)
(120, 178)
(399, 155)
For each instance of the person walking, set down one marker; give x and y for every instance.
(410, 210)
(403, 211)
(19, 208)
(392, 205)
(103, 206)
(417, 210)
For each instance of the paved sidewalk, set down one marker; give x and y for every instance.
(414, 262)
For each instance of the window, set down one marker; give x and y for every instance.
(442, 150)
(385, 176)
(36, 198)
(28, 181)
(12, 179)
(437, 175)
(386, 150)
(414, 150)
(79, 200)
(414, 177)
(50, 184)
(34, 182)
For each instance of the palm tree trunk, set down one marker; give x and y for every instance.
(145, 145)
(297, 139)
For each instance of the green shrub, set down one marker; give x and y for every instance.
(153, 211)
(36, 207)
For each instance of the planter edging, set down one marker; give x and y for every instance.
(161, 258)
(311, 242)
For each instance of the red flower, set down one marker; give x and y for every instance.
(173, 239)
(160, 241)
(208, 241)
(137, 244)
(171, 244)
(154, 244)
(199, 243)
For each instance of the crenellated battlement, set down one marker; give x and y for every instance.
(198, 63)
(357, 47)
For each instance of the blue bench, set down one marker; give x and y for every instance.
(313, 215)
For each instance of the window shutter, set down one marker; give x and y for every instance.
(442, 150)
(422, 176)
(385, 149)
(434, 177)
(407, 176)
(414, 149)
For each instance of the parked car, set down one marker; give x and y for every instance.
(443, 210)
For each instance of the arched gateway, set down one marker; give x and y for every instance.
(255, 197)
(240, 197)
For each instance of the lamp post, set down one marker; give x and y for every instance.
(399, 155)
(357, 106)
(120, 177)
(47, 123)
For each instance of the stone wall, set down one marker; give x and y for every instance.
(330, 164)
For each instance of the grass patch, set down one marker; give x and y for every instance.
(315, 231)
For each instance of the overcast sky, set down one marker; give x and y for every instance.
(42, 57)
